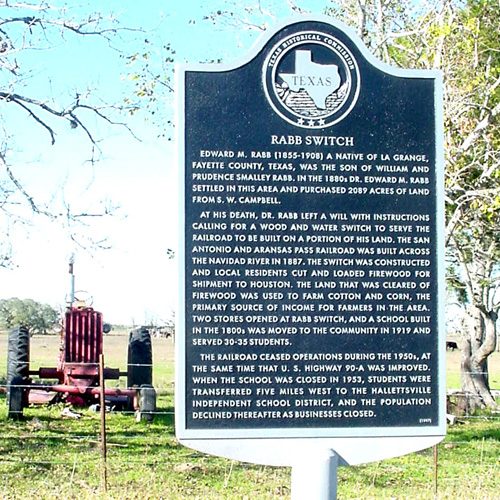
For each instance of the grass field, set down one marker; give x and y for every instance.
(48, 456)
(44, 351)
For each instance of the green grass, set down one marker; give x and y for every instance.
(47, 456)
(51, 457)
(467, 468)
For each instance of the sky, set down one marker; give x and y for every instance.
(135, 281)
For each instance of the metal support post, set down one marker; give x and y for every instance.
(104, 465)
(315, 478)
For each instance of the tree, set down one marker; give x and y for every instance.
(38, 318)
(462, 40)
(44, 105)
(473, 186)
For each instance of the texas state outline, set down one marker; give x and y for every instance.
(318, 80)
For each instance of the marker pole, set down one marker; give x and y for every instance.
(315, 477)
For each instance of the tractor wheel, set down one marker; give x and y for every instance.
(147, 403)
(140, 358)
(18, 353)
(15, 397)
(18, 367)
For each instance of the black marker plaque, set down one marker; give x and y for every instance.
(312, 246)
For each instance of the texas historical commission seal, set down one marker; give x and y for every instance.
(311, 79)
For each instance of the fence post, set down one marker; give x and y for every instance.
(435, 470)
(104, 471)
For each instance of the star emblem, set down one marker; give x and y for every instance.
(300, 121)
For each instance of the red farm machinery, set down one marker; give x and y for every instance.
(76, 378)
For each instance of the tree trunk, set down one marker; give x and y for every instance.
(478, 345)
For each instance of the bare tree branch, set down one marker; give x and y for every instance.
(68, 114)
(27, 26)
(21, 189)
(34, 116)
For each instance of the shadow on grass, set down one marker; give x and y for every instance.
(475, 432)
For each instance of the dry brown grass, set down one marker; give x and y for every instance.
(44, 352)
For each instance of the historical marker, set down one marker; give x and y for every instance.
(312, 253)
